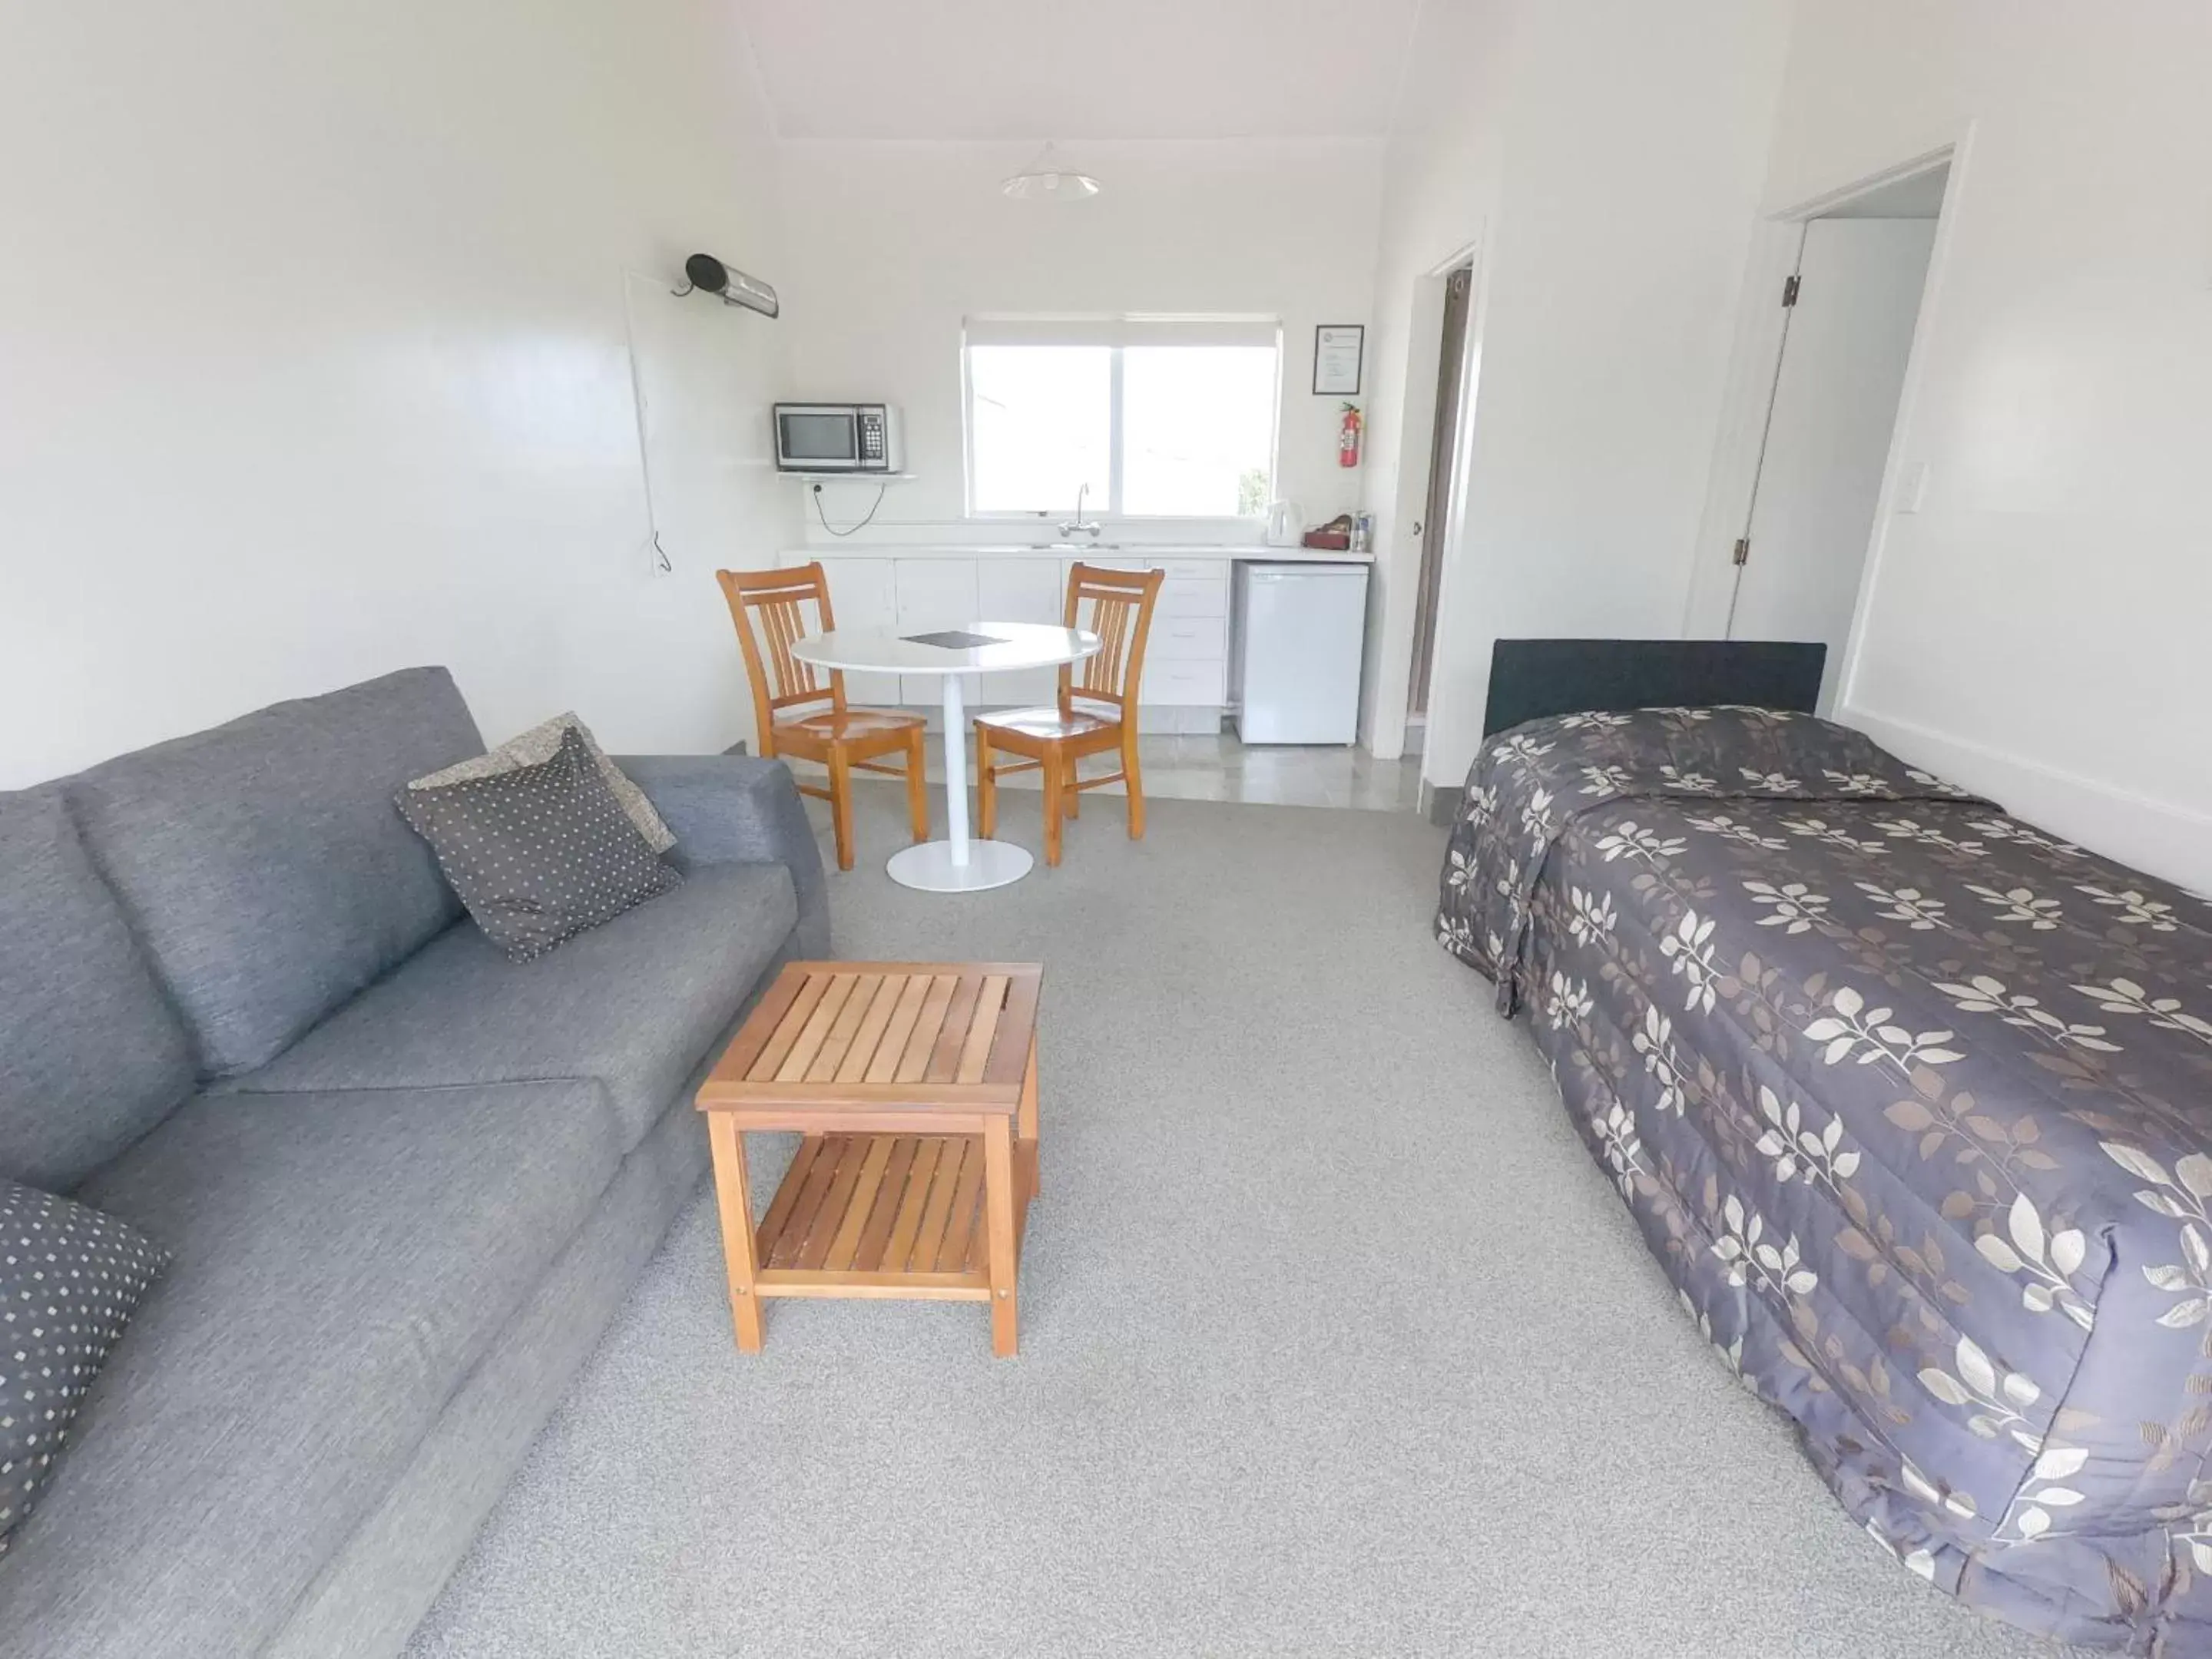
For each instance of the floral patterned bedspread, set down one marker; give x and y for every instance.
(1914, 1103)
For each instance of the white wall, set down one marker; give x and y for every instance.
(896, 243)
(2038, 630)
(1442, 183)
(312, 319)
(1618, 150)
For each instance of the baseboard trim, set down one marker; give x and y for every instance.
(2163, 837)
(1440, 803)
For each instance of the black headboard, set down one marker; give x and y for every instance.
(1531, 678)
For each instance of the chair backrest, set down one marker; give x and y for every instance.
(769, 609)
(1117, 606)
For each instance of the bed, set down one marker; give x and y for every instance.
(1912, 1101)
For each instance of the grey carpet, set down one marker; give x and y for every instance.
(1334, 1341)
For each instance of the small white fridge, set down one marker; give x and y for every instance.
(1299, 631)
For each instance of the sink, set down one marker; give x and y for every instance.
(1082, 547)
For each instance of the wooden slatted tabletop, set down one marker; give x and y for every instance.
(862, 1034)
(915, 1086)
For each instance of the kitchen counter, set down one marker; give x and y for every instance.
(1109, 551)
(918, 589)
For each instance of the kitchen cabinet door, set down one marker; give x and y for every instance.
(1022, 591)
(863, 594)
(933, 594)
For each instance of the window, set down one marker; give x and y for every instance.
(1151, 418)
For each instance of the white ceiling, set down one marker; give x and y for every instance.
(1039, 69)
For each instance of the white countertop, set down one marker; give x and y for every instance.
(1106, 552)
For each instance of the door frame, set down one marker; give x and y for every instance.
(1422, 366)
(1445, 442)
(1777, 237)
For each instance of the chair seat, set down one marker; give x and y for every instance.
(852, 723)
(1048, 724)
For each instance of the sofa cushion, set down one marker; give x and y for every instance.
(634, 1003)
(538, 854)
(91, 1056)
(540, 744)
(263, 864)
(340, 1263)
(70, 1277)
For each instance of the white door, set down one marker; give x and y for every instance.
(1835, 411)
(935, 594)
(1020, 590)
(863, 593)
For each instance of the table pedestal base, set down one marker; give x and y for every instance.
(930, 867)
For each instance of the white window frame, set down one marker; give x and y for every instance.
(1117, 333)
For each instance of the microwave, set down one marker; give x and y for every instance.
(838, 438)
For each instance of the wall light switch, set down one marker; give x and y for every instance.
(1915, 492)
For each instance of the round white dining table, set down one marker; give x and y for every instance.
(958, 864)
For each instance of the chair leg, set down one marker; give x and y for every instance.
(1135, 784)
(917, 793)
(1069, 776)
(841, 804)
(987, 787)
(1052, 805)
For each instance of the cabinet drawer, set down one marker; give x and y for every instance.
(1188, 596)
(1186, 569)
(1188, 639)
(1171, 683)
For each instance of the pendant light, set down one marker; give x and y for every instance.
(1046, 179)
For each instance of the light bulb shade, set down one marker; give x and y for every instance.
(1062, 186)
(1045, 181)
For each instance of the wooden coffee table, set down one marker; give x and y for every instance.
(915, 1086)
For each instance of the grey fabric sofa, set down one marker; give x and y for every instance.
(406, 1181)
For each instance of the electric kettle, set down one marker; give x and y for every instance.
(1286, 522)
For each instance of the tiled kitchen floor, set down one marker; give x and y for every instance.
(1221, 769)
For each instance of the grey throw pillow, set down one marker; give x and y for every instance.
(70, 1277)
(539, 853)
(540, 743)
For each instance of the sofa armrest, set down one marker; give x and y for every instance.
(735, 809)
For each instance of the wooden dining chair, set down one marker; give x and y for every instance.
(799, 709)
(1097, 711)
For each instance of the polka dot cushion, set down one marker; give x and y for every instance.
(541, 853)
(70, 1277)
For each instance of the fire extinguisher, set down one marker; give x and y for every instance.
(1347, 436)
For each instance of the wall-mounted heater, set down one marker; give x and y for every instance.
(706, 272)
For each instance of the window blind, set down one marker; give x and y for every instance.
(1033, 330)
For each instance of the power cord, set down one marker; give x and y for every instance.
(873, 507)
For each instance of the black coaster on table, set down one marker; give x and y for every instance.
(952, 638)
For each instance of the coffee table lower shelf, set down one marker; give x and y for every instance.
(885, 1215)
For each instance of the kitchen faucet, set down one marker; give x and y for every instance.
(1069, 527)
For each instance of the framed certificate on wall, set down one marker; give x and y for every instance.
(1337, 349)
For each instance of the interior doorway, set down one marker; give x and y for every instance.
(1444, 454)
(1852, 304)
